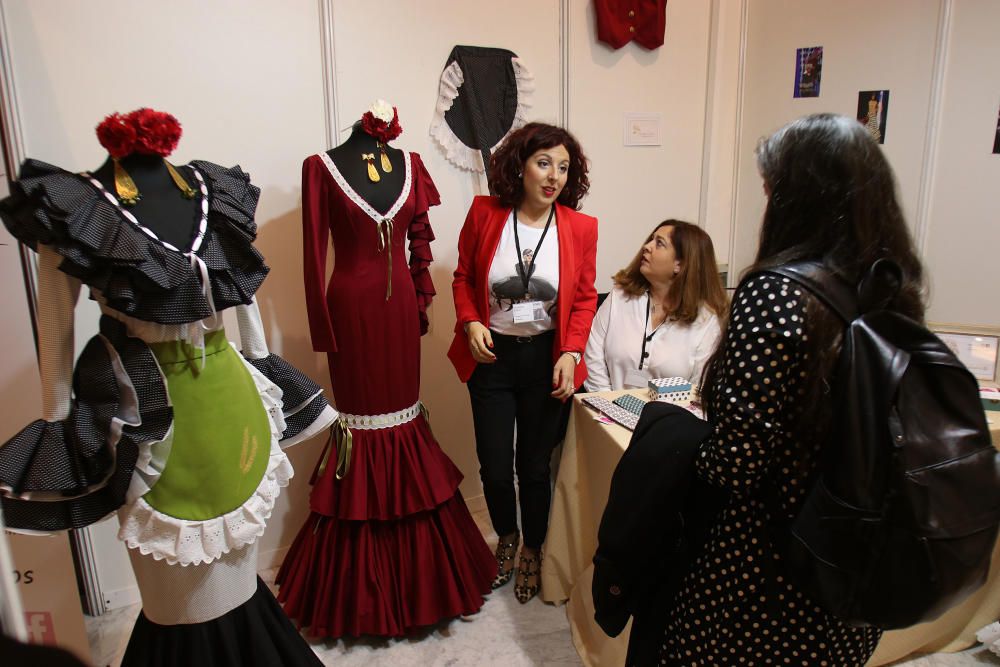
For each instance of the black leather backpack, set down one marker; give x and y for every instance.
(899, 525)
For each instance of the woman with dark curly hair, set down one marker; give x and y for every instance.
(524, 301)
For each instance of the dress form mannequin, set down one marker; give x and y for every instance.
(347, 156)
(161, 207)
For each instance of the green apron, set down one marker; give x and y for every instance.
(222, 438)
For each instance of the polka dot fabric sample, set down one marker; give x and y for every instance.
(736, 606)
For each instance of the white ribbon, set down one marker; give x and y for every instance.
(206, 289)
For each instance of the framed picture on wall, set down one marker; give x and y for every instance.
(976, 347)
(808, 71)
(873, 111)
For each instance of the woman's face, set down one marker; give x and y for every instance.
(659, 259)
(545, 173)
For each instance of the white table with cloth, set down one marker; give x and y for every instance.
(590, 452)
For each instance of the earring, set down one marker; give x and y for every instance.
(520, 174)
(386, 165)
(128, 191)
(372, 172)
(186, 190)
(125, 187)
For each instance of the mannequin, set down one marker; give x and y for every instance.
(162, 208)
(163, 419)
(347, 156)
(389, 546)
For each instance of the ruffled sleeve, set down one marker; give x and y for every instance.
(420, 236)
(134, 273)
(304, 409)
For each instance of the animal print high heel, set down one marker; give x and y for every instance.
(529, 577)
(505, 560)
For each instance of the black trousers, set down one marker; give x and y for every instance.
(515, 390)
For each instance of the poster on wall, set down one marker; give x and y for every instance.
(873, 110)
(808, 70)
(996, 139)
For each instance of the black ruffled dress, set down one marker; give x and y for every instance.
(161, 418)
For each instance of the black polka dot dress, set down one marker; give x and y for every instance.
(736, 605)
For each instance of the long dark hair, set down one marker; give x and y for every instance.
(831, 197)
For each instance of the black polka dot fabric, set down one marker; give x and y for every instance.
(736, 606)
(70, 455)
(296, 390)
(136, 274)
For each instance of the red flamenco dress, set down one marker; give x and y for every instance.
(390, 545)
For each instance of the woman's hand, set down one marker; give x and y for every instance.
(480, 343)
(562, 376)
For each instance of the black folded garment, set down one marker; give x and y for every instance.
(657, 518)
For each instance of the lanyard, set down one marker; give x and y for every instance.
(527, 273)
(647, 338)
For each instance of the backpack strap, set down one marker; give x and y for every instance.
(824, 285)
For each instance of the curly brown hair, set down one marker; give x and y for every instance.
(507, 164)
(698, 281)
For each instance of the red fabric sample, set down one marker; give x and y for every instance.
(622, 21)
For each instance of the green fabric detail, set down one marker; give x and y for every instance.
(222, 439)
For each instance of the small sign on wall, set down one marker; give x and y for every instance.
(642, 129)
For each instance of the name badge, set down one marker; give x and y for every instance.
(636, 379)
(529, 311)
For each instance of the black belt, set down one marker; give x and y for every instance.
(505, 338)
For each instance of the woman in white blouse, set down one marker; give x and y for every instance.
(663, 317)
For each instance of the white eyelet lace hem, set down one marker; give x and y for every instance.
(455, 150)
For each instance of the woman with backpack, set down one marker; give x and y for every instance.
(831, 197)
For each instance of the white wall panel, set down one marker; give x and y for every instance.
(963, 233)
(866, 46)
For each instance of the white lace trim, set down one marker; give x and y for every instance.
(357, 199)
(154, 332)
(186, 542)
(202, 226)
(387, 420)
(454, 149)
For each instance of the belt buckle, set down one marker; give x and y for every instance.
(523, 339)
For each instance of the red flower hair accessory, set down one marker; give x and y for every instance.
(145, 131)
(382, 122)
(117, 134)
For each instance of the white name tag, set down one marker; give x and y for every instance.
(529, 311)
(636, 379)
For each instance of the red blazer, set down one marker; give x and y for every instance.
(576, 301)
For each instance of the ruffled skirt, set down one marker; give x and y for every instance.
(389, 548)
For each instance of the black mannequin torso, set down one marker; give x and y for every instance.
(347, 156)
(161, 206)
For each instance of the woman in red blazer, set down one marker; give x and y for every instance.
(525, 300)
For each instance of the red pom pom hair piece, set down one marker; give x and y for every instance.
(117, 134)
(144, 131)
(381, 130)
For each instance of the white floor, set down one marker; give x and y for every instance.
(503, 634)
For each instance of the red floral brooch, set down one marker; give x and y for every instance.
(378, 122)
(144, 131)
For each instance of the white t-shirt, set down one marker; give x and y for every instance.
(507, 287)
(615, 344)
